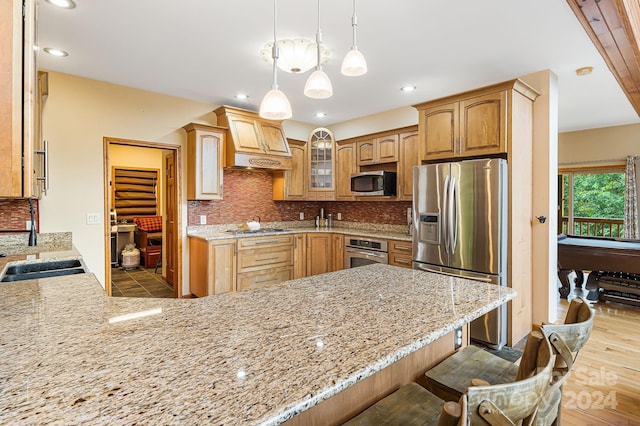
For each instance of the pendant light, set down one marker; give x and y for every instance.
(275, 105)
(354, 63)
(318, 85)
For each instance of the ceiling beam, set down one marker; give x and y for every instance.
(614, 28)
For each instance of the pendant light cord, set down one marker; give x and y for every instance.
(274, 50)
(319, 39)
(354, 25)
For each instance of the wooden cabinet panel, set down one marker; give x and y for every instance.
(387, 149)
(251, 260)
(337, 242)
(18, 81)
(400, 253)
(439, 127)
(265, 261)
(204, 162)
(274, 140)
(212, 266)
(408, 156)
(345, 167)
(299, 256)
(263, 278)
(270, 241)
(319, 259)
(245, 134)
(366, 152)
(483, 124)
(378, 150)
(292, 184)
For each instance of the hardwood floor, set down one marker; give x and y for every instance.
(604, 388)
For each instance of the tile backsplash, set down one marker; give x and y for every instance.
(248, 194)
(14, 213)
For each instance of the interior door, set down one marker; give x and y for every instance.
(170, 249)
(477, 215)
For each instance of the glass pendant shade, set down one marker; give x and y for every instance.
(275, 106)
(354, 64)
(318, 85)
(296, 55)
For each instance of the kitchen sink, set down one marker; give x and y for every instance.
(32, 271)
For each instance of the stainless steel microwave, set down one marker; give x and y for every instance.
(374, 183)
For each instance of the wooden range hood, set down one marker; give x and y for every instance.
(253, 142)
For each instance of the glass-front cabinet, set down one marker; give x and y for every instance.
(321, 165)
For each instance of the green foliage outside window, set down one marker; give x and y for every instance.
(595, 195)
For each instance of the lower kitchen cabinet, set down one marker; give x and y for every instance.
(337, 242)
(400, 253)
(264, 261)
(212, 266)
(299, 256)
(319, 259)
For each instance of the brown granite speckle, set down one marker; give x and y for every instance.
(70, 355)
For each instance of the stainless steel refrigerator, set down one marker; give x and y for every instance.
(460, 228)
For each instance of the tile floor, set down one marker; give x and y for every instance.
(139, 282)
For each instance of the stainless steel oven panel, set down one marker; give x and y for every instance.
(357, 257)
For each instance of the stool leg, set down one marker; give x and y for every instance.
(158, 262)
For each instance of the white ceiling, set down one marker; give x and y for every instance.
(209, 50)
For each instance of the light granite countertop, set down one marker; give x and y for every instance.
(381, 231)
(71, 355)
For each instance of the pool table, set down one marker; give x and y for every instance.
(606, 256)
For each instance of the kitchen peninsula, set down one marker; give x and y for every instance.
(71, 355)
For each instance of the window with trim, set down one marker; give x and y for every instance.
(591, 202)
(135, 193)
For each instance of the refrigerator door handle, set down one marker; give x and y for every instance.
(450, 215)
(453, 202)
(444, 226)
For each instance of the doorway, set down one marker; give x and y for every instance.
(165, 257)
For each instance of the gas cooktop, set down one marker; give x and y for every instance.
(259, 231)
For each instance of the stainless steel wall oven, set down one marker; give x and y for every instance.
(364, 251)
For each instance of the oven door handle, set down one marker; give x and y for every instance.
(366, 253)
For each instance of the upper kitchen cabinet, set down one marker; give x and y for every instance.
(18, 100)
(292, 184)
(253, 141)
(408, 156)
(345, 167)
(471, 124)
(321, 165)
(205, 147)
(378, 150)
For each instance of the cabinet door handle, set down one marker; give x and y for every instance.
(402, 248)
(266, 281)
(402, 262)
(266, 242)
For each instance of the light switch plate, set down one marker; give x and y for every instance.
(339, 216)
(28, 225)
(203, 219)
(93, 218)
(301, 215)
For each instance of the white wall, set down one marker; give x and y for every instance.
(607, 145)
(544, 197)
(78, 114)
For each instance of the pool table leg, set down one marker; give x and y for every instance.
(563, 275)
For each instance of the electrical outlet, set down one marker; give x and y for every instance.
(339, 216)
(28, 225)
(301, 215)
(203, 219)
(93, 218)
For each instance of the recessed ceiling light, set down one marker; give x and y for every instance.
(242, 96)
(66, 4)
(407, 88)
(55, 52)
(321, 114)
(584, 71)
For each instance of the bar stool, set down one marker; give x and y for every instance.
(501, 404)
(451, 377)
